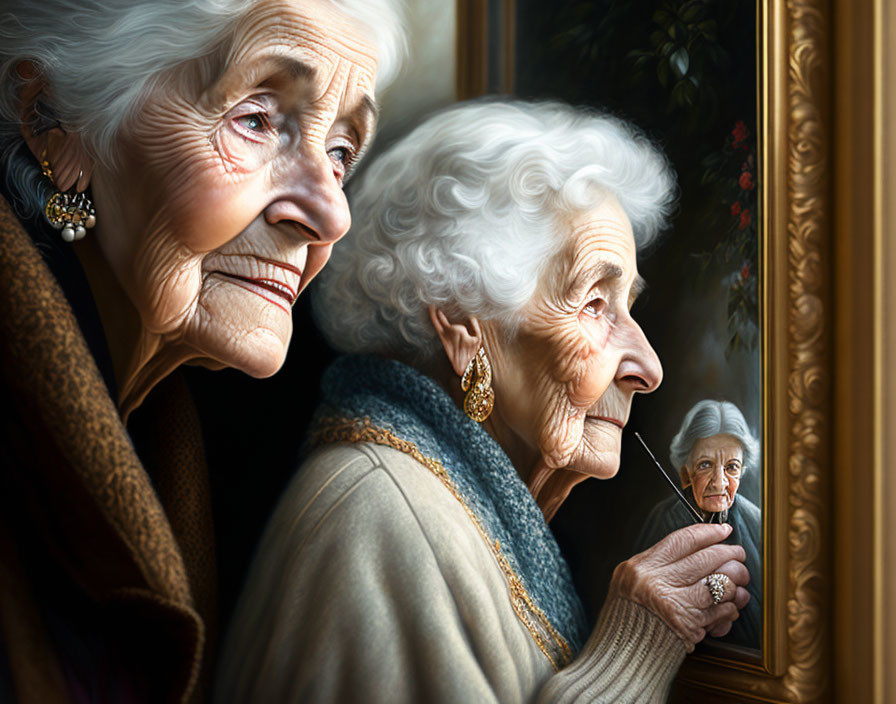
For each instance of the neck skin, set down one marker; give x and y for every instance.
(140, 359)
(549, 486)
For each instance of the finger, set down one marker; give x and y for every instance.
(720, 630)
(708, 560)
(725, 612)
(736, 571)
(688, 540)
(741, 598)
(723, 619)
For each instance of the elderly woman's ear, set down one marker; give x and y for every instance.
(69, 161)
(461, 339)
(685, 477)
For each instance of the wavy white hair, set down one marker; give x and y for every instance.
(101, 57)
(466, 213)
(707, 418)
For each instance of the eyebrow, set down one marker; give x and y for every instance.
(294, 68)
(608, 270)
(369, 105)
(711, 458)
(639, 285)
(600, 271)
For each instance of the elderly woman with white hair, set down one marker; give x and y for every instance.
(171, 181)
(485, 295)
(712, 451)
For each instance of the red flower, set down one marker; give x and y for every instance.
(739, 133)
(735, 208)
(745, 272)
(744, 219)
(746, 180)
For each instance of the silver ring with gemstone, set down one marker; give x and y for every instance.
(716, 583)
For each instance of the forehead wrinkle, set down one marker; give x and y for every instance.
(278, 26)
(339, 38)
(361, 113)
(582, 237)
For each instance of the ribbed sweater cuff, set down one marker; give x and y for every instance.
(631, 656)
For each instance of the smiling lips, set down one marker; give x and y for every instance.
(262, 286)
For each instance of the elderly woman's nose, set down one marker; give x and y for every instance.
(719, 476)
(312, 198)
(640, 367)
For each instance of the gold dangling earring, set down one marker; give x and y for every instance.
(73, 213)
(477, 382)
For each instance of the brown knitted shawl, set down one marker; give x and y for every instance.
(141, 551)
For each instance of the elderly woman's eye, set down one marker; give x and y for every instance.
(253, 122)
(733, 468)
(256, 126)
(595, 307)
(342, 155)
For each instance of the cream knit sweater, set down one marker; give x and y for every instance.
(375, 582)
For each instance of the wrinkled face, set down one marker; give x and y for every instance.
(230, 196)
(565, 384)
(715, 467)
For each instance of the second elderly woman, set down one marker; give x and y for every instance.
(172, 180)
(712, 450)
(488, 286)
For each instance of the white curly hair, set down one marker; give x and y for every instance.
(100, 58)
(464, 213)
(706, 419)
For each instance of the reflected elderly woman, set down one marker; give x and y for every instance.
(172, 181)
(489, 281)
(712, 450)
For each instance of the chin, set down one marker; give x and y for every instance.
(598, 454)
(260, 354)
(600, 465)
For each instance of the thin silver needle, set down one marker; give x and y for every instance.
(687, 504)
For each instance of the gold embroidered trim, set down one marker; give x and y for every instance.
(362, 430)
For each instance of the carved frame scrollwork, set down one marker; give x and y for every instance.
(794, 55)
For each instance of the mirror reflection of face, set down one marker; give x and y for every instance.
(565, 384)
(229, 197)
(714, 468)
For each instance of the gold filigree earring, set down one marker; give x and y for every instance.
(477, 382)
(71, 212)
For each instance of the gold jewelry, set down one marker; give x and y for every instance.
(477, 382)
(71, 212)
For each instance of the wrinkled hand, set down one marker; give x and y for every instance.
(668, 579)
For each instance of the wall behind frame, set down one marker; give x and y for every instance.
(865, 333)
(887, 275)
